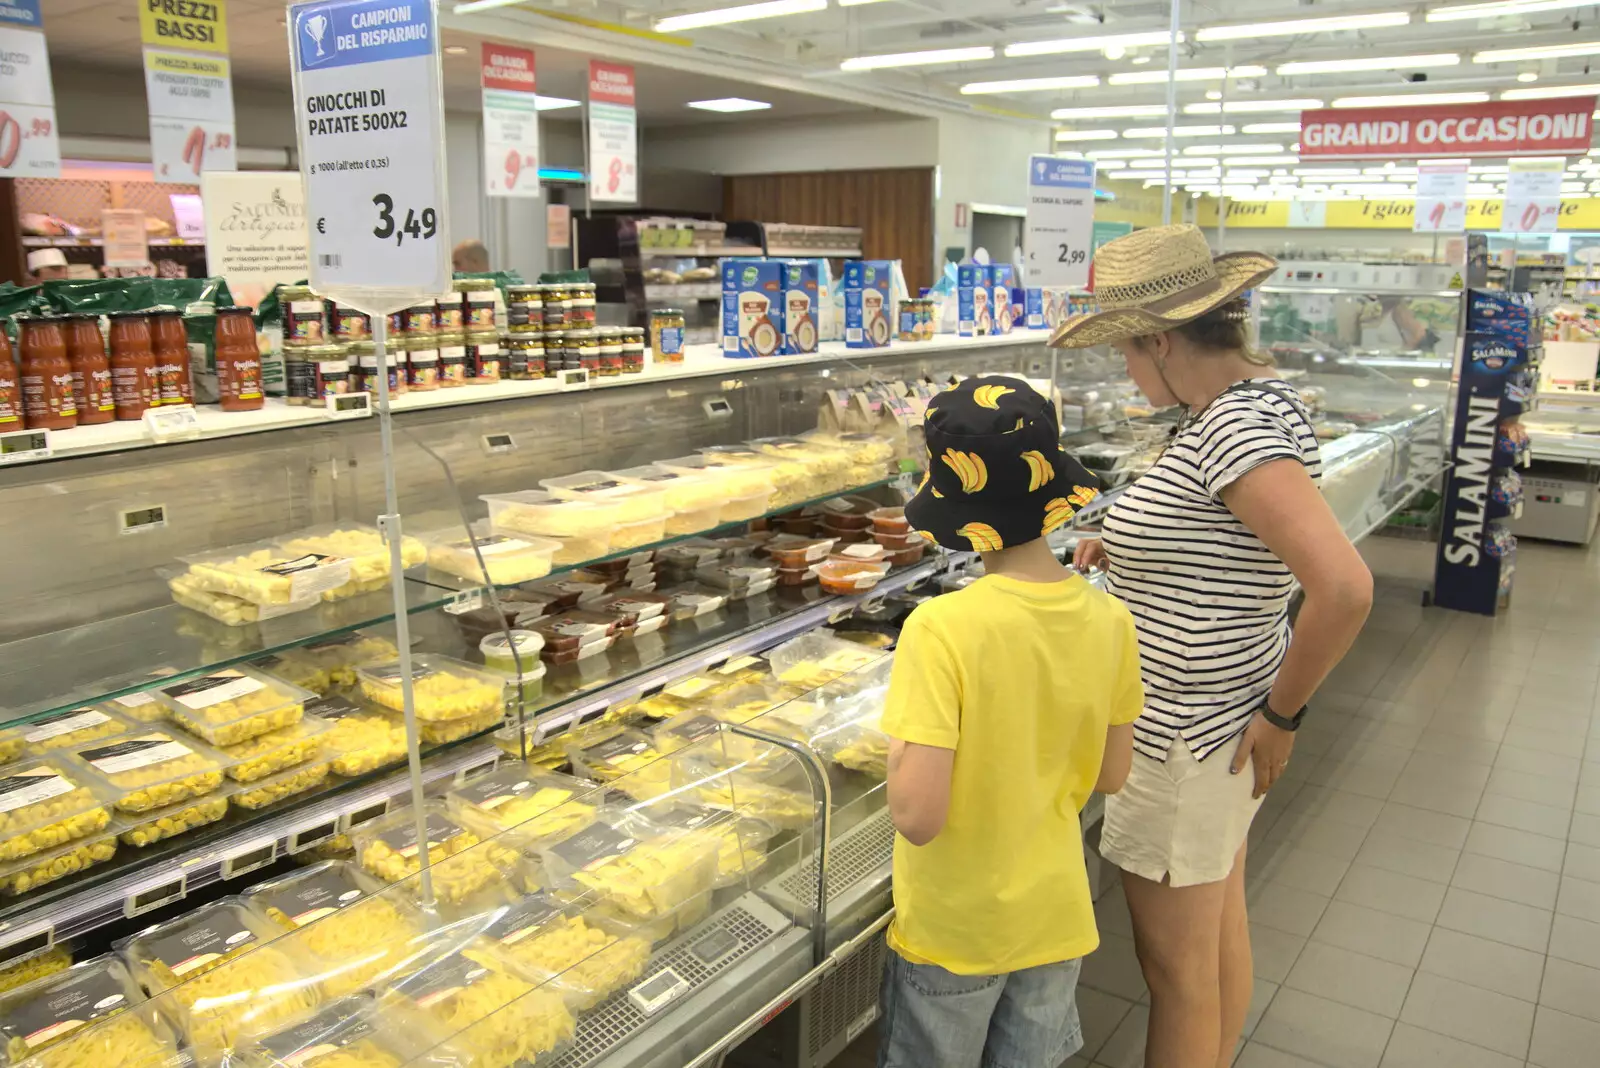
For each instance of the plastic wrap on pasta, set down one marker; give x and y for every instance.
(274, 788)
(651, 879)
(443, 688)
(362, 737)
(327, 666)
(363, 547)
(148, 828)
(219, 975)
(357, 1031)
(12, 743)
(40, 869)
(490, 1010)
(45, 803)
(66, 730)
(817, 658)
(151, 768)
(752, 778)
(585, 957)
(233, 705)
(57, 958)
(345, 925)
(851, 736)
(537, 806)
(388, 848)
(91, 1015)
(744, 701)
(267, 754)
(627, 758)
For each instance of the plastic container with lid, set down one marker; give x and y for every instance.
(266, 573)
(633, 501)
(895, 543)
(890, 521)
(742, 474)
(792, 551)
(226, 976)
(507, 558)
(574, 635)
(852, 737)
(817, 658)
(348, 928)
(46, 803)
(740, 840)
(737, 578)
(584, 528)
(638, 611)
(363, 546)
(61, 731)
(640, 873)
(909, 555)
(799, 576)
(358, 1031)
(18, 877)
(361, 737)
(750, 778)
(745, 701)
(233, 705)
(388, 848)
(572, 590)
(858, 447)
(627, 758)
(497, 656)
(90, 1014)
(260, 793)
(640, 532)
(190, 592)
(330, 664)
(151, 768)
(536, 806)
(159, 824)
(142, 707)
(864, 552)
(697, 604)
(444, 688)
(547, 939)
(267, 754)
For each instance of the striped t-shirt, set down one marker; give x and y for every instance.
(1210, 600)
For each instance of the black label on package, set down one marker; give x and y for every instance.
(299, 563)
(692, 730)
(391, 674)
(344, 1022)
(64, 1005)
(98, 755)
(680, 817)
(611, 748)
(522, 919)
(599, 843)
(441, 979)
(597, 487)
(493, 787)
(333, 707)
(196, 944)
(311, 897)
(665, 476)
(403, 839)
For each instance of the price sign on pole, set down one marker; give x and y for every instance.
(28, 144)
(1441, 198)
(1060, 235)
(1533, 196)
(510, 122)
(368, 102)
(613, 133)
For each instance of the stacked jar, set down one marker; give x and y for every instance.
(452, 310)
(364, 368)
(347, 325)
(316, 372)
(524, 356)
(581, 306)
(478, 304)
(633, 350)
(306, 341)
(666, 335)
(609, 343)
(525, 309)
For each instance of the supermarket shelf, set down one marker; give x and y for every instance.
(798, 252)
(1562, 445)
(687, 251)
(97, 242)
(1374, 291)
(654, 291)
(102, 900)
(700, 361)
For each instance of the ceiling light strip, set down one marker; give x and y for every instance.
(1353, 63)
(1031, 85)
(723, 16)
(1403, 100)
(918, 59)
(1331, 24)
(1088, 44)
(1456, 12)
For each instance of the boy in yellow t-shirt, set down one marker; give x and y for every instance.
(1011, 700)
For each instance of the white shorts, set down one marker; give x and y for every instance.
(1183, 821)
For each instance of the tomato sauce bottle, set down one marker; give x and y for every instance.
(91, 369)
(135, 386)
(238, 360)
(10, 388)
(169, 341)
(47, 402)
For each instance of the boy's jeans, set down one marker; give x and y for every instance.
(932, 1018)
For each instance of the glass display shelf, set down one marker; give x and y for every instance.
(110, 658)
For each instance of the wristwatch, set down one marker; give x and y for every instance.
(1291, 723)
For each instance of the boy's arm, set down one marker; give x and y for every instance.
(1127, 707)
(919, 789)
(922, 717)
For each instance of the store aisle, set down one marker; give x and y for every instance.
(1425, 881)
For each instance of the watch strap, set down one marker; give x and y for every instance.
(1283, 723)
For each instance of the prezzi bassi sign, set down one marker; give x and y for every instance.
(1563, 126)
(198, 25)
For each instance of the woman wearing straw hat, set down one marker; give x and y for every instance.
(1205, 549)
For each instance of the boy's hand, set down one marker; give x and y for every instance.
(1090, 552)
(1266, 746)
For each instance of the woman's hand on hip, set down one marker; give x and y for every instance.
(1090, 552)
(1268, 748)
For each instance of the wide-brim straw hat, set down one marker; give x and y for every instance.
(1156, 279)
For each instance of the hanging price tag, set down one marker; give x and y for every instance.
(1060, 234)
(367, 100)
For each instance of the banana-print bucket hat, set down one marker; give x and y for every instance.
(998, 476)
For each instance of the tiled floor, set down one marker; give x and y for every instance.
(1425, 882)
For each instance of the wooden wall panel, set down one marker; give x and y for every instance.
(894, 209)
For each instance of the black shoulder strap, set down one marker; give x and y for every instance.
(1294, 404)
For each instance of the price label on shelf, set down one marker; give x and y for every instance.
(367, 100)
(1060, 231)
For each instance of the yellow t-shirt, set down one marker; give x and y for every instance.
(1021, 679)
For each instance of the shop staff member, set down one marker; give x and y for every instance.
(46, 264)
(1009, 702)
(1205, 549)
(470, 257)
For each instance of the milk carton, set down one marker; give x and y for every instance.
(1034, 308)
(752, 307)
(802, 299)
(868, 303)
(1002, 276)
(974, 313)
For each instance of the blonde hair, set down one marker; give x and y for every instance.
(1225, 328)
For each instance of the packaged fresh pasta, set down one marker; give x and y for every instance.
(274, 788)
(639, 872)
(816, 659)
(268, 754)
(265, 573)
(365, 549)
(748, 777)
(91, 1014)
(232, 705)
(352, 1032)
(58, 958)
(361, 738)
(508, 559)
(549, 940)
(152, 768)
(443, 688)
(18, 877)
(45, 803)
(224, 977)
(741, 840)
(626, 758)
(852, 738)
(12, 743)
(346, 927)
(151, 827)
(388, 847)
(326, 666)
(444, 731)
(68, 730)
(538, 805)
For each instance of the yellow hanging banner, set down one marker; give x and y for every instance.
(197, 25)
(1576, 214)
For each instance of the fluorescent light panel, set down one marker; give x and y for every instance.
(1242, 107)
(729, 104)
(1126, 111)
(919, 59)
(1032, 85)
(1454, 12)
(1253, 147)
(1190, 74)
(1088, 44)
(1513, 55)
(1258, 161)
(1123, 153)
(1404, 100)
(1086, 135)
(723, 16)
(1549, 92)
(1340, 66)
(1183, 131)
(1271, 127)
(554, 103)
(1332, 24)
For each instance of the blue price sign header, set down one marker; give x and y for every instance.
(1063, 173)
(340, 33)
(21, 13)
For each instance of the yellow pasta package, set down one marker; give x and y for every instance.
(55, 959)
(641, 873)
(233, 705)
(91, 1015)
(151, 768)
(388, 847)
(579, 955)
(357, 1031)
(538, 805)
(491, 1012)
(45, 803)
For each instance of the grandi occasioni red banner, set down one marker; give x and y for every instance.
(1559, 127)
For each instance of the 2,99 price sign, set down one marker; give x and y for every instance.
(1060, 232)
(366, 99)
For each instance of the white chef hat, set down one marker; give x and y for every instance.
(46, 257)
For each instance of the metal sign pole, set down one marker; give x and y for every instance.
(1172, 108)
